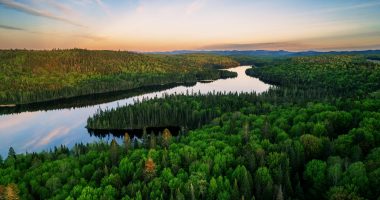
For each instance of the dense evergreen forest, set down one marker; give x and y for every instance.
(345, 75)
(302, 79)
(314, 136)
(32, 76)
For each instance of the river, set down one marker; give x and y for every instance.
(42, 130)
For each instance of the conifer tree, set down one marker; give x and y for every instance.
(114, 151)
(127, 142)
(166, 137)
(11, 153)
(150, 169)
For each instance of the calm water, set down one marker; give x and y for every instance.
(42, 130)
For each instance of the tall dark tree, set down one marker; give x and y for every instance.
(114, 151)
(127, 142)
(11, 153)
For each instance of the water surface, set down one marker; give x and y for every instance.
(42, 130)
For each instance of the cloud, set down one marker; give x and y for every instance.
(47, 138)
(362, 33)
(342, 41)
(58, 132)
(32, 11)
(59, 6)
(86, 36)
(12, 28)
(17, 120)
(353, 7)
(342, 8)
(91, 37)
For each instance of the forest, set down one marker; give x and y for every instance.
(30, 76)
(341, 75)
(316, 135)
(302, 79)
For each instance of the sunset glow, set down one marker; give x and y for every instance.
(163, 25)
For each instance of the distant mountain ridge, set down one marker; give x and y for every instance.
(267, 52)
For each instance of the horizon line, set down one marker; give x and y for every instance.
(191, 50)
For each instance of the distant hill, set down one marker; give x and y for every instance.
(268, 53)
(29, 76)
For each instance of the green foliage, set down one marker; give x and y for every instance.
(263, 184)
(343, 75)
(287, 143)
(211, 163)
(32, 76)
(315, 175)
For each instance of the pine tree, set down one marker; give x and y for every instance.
(114, 152)
(166, 137)
(232, 126)
(145, 139)
(299, 191)
(150, 169)
(153, 141)
(179, 195)
(246, 186)
(105, 170)
(213, 189)
(264, 184)
(265, 130)
(279, 195)
(165, 157)
(11, 153)
(246, 133)
(235, 192)
(192, 192)
(127, 142)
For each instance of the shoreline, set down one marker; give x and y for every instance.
(110, 92)
(7, 105)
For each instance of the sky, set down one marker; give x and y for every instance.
(166, 25)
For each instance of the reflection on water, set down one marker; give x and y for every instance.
(87, 100)
(42, 130)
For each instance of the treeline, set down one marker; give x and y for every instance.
(31, 76)
(87, 100)
(171, 110)
(258, 61)
(262, 151)
(192, 110)
(341, 75)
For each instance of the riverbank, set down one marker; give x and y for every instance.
(7, 105)
(102, 97)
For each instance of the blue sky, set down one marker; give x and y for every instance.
(162, 25)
